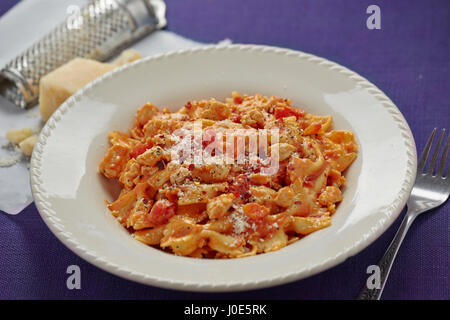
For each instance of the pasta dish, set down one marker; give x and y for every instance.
(227, 179)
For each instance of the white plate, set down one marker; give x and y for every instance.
(69, 193)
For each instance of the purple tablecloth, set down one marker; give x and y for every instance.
(409, 59)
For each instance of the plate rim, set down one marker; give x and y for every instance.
(391, 212)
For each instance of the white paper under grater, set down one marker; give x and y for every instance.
(98, 31)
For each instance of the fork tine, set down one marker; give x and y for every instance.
(436, 153)
(440, 170)
(425, 152)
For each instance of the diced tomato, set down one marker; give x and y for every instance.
(255, 211)
(257, 214)
(140, 149)
(241, 186)
(238, 100)
(161, 212)
(282, 112)
(308, 181)
(264, 229)
(188, 105)
(236, 118)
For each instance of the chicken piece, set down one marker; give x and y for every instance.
(219, 206)
(216, 110)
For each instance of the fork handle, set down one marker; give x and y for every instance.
(386, 262)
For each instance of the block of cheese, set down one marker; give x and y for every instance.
(127, 56)
(16, 136)
(61, 83)
(27, 145)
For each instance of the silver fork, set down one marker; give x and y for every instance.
(430, 190)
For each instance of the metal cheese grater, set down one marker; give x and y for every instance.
(98, 31)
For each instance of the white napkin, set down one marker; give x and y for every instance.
(24, 24)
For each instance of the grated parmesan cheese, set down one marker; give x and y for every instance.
(239, 222)
(12, 160)
(8, 162)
